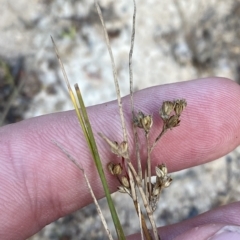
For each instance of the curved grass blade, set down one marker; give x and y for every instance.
(87, 130)
(98, 163)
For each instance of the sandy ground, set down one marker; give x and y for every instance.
(174, 42)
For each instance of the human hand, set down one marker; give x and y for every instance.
(39, 185)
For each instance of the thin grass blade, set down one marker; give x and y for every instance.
(98, 164)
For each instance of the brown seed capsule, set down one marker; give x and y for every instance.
(147, 122)
(159, 172)
(167, 182)
(117, 169)
(114, 169)
(156, 189)
(166, 109)
(172, 122)
(163, 168)
(179, 106)
(110, 167)
(125, 182)
(138, 119)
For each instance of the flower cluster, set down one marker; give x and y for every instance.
(117, 170)
(163, 180)
(143, 121)
(170, 112)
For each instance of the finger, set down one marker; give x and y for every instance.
(203, 226)
(41, 185)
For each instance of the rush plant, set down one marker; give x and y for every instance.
(136, 182)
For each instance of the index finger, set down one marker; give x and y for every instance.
(33, 170)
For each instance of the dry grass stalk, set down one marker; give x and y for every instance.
(136, 139)
(148, 208)
(89, 137)
(170, 113)
(145, 124)
(140, 221)
(126, 156)
(110, 237)
(114, 73)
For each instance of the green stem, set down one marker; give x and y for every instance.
(85, 124)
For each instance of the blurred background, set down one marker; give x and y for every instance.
(175, 41)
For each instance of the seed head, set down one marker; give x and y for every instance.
(167, 182)
(138, 119)
(179, 106)
(147, 122)
(166, 110)
(125, 182)
(143, 121)
(156, 191)
(172, 122)
(114, 169)
(161, 170)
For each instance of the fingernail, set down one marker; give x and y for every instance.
(227, 233)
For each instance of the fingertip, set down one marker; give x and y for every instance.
(211, 232)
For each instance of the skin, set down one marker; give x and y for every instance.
(39, 185)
